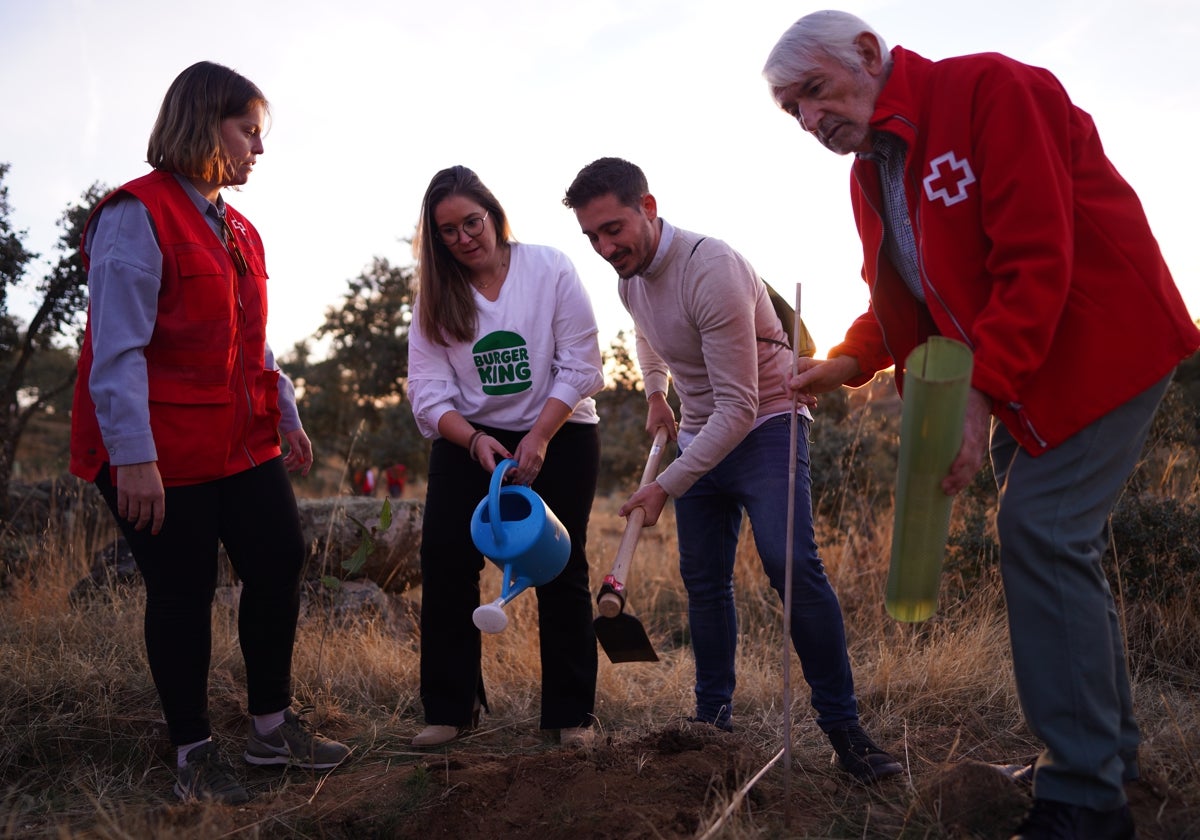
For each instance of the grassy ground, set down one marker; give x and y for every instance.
(83, 751)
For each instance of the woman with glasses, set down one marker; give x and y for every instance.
(503, 362)
(178, 412)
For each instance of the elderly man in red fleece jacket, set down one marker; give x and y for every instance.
(989, 214)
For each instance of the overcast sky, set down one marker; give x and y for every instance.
(371, 97)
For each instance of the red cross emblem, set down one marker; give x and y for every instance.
(948, 179)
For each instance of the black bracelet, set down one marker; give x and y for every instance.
(474, 440)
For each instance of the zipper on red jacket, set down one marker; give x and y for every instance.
(927, 283)
(1027, 424)
(241, 364)
(930, 287)
(926, 280)
(240, 343)
(240, 361)
(913, 205)
(878, 256)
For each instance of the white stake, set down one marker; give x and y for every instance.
(789, 544)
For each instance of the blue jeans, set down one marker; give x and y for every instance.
(754, 477)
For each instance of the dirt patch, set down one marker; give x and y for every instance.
(670, 784)
(660, 785)
(665, 785)
(678, 782)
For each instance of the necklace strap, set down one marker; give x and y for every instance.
(502, 271)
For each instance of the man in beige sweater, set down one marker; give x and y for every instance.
(704, 321)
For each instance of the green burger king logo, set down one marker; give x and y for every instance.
(502, 360)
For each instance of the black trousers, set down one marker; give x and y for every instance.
(451, 674)
(253, 514)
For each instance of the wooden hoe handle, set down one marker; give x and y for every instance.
(612, 596)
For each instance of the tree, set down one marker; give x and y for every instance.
(625, 443)
(14, 258)
(352, 401)
(63, 297)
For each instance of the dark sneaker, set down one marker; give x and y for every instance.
(295, 742)
(206, 777)
(859, 756)
(1050, 820)
(725, 724)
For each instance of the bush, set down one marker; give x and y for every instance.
(1154, 550)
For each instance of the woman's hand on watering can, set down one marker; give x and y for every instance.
(490, 452)
(530, 455)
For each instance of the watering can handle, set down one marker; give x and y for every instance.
(494, 497)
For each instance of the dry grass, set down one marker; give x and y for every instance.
(83, 750)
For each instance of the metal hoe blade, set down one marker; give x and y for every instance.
(624, 639)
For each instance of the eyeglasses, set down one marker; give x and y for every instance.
(235, 250)
(472, 227)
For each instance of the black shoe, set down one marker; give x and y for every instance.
(1050, 820)
(207, 777)
(861, 757)
(725, 724)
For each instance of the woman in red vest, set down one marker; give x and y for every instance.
(178, 412)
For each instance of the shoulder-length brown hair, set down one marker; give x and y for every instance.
(187, 134)
(447, 311)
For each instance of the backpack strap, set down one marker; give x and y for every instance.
(783, 311)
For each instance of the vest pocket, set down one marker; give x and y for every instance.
(207, 286)
(193, 430)
(182, 392)
(262, 439)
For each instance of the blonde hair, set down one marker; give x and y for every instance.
(186, 138)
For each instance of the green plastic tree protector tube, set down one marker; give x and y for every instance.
(937, 379)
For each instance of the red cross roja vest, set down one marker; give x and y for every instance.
(213, 408)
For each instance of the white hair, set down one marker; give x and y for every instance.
(822, 34)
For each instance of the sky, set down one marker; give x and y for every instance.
(369, 98)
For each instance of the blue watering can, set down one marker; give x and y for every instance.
(518, 532)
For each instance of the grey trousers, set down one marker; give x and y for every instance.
(1067, 650)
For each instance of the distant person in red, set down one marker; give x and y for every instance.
(396, 475)
(364, 482)
(179, 408)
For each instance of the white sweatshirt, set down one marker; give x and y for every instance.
(537, 340)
